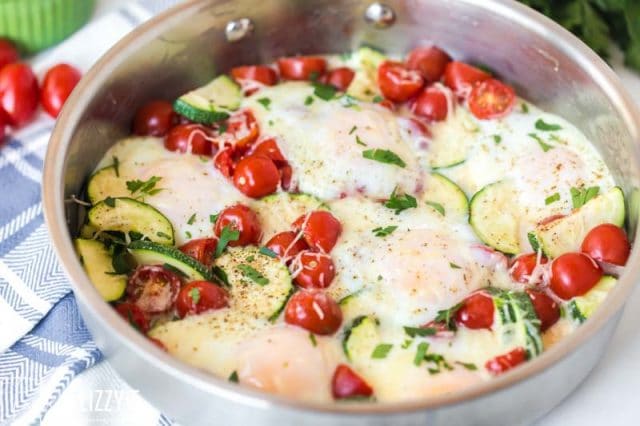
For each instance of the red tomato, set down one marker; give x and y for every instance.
(4, 123)
(8, 53)
(314, 310)
(153, 289)
(386, 103)
(491, 99)
(301, 67)
(18, 93)
(315, 270)
(503, 363)
(397, 82)
(321, 229)
(286, 174)
(461, 77)
(241, 218)
(283, 244)
(260, 73)
(429, 61)
(347, 384)
(256, 176)
(185, 136)
(268, 148)
(155, 118)
(58, 84)
(607, 243)
(200, 296)
(476, 311)
(223, 161)
(340, 78)
(546, 309)
(133, 315)
(431, 104)
(574, 274)
(241, 131)
(202, 249)
(523, 265)
(158, 343)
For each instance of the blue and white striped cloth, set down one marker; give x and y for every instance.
(44, 344)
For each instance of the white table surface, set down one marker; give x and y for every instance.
(607, 397)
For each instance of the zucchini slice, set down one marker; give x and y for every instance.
(582, 307)
(284, 208)
(566, 234)
(150, 253)
(129, 215)
(360, 338)
(518, 323)
(493, 216)
(258, 284)
(442, 191)
(452, 140)
(106, 183)
(364, 85)
(210, 103)
(97, 263)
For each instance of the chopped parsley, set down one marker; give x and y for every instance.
(265, 102)
(420, 331)
(545, 146)
(400, 202)
(147, 187)
(383, 232)
(421, 351)
(580, 197)
(383, 156)
(116, 166)
(188, 234)
(221, 275)
(497, 139)
(447, 316)
(213, 217)
(309, 100)
(326, 92)
(353, 129)
(233, 377)
(227, 235)
(359, 141)
(268, 252)
(437, 206)
(533, 240)
(191, 219)
(547, 127)
(454, 266)
(552, 199)
(406, 343)
(270, 122)
(312, 337)
(468, 365)
(377, 99)
(222, 128)
(251, 273)
(194, 294)
(524, 108)
(111, 202)
(381, 351)
(313, 76)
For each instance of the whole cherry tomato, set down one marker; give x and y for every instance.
(461, 77)
(522, 267)
(607, 243)
(491, 99)
(302, 67)
(506, 362)
(397, 82)
(315, 270)
(347, 384)
(223, 161)
(314, 310)
(268, 148)
(8, 53)
(189, 138)
(18, 93)
(431, 104)
(200, 296)
(546, 309)
(284, 246)
(476, 311)
(240, 218)
(340, 78)
(155, 118)
(134, 316)
(58, 84)
(202, 249)
(153, 289)
(260, 73)
(430, 61)
(320, 229)
(574, 274)
(256, 176)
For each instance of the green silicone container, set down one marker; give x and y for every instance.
(37, 24)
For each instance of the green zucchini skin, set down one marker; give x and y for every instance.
(150, 253)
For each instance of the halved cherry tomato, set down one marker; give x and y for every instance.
(321, 229)
(154, 118)
(201, 249)
(461, 77)
(286, 173)
(223, 161)
(58, 84)
(316, 270)
(302, 67)
(546, 309)
(18, 93)
(340, 78)
(430, 61)
(268, 148)
(522, 267)
(431, 104)
(189, 138)
(397, 82)
(241, 131)
(386, 103)
(8, 53)
(134, 316)
(574, 274)
(491, 99)
(476, 311)
(347, 384)
(260, 73)
(256, 176)
(607, 243)
(314, 310)
(506, 362)
(284, 246)
(153, 289)
(241, 218)
(200, 296)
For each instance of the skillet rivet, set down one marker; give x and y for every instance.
(238, 29)
(380, 15)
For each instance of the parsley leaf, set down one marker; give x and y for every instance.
(359, 141)
(227, 235)
(213, 217)
(325, 92)
(420, 331)
(533, 240)
(381, 351)
(468, 365)
(191, 219)
(421, 351)
(353, 129)
(251, 273)
(547, 127)
(147, 187)
(265, 102)
(497, 139)
(111, 202)
(437, 206)
(580, 197)
(524, 108)
(377, 99)
(116, 165)
(447, 316)
(268, 252)
(545, 146)
(383, 232)
(233, 377)
(308, 101)
(312, 337)
(383, 156)
(454, 266)
(194, 294)
(400, 202)
(551, 199)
